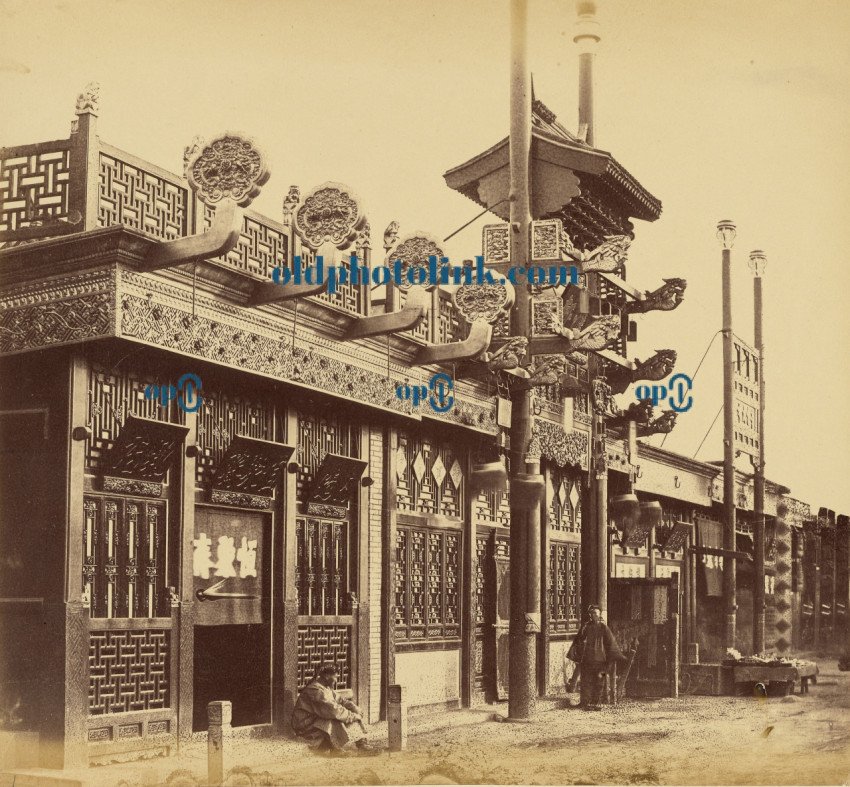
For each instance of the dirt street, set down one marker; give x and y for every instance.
(690, 740)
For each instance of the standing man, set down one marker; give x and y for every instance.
(598, 647)
(325, 720)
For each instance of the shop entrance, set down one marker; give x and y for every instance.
(231, 571)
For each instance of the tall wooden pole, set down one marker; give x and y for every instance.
(726, 234)
(757, 262)
(525, 546)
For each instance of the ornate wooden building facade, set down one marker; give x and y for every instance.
(163, 549)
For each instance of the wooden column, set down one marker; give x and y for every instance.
(467, 646)
(362, 613)
(185, 588)
(286, 658)
(388, 568)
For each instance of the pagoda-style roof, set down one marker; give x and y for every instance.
(586, 187)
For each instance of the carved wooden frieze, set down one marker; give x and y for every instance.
(248, 473)
(559, 446)
(141, 456)
(546, 240)
(336, 481)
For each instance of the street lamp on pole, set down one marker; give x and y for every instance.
(757, 263)
(726, 236)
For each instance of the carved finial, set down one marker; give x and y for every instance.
(228, 167)
(330, 213)
(88, 102)
(390, 235)
(190, 151)
(291, 200)
(364, 237)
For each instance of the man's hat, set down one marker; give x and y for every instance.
(591, 607)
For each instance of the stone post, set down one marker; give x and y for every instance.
(396, 719)
(219, 715)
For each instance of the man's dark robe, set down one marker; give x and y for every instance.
(600, 647)
(321, 716)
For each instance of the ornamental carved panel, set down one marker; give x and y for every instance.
(414, 250)
(330, 213)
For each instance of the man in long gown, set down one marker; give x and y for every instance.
(599, 647)
(325, 720)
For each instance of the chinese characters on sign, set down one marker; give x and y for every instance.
(227, 566)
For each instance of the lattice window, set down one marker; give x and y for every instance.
(321, 566)
(129, 671)
(429, 476)
(564, 494)
(222, 417)
(493, 508)
(453, 327)
(562, 587)
(427, 589)
(261, 247)
(320, 433)
(139, 199)
(33, 188)
(125, 567)
(111, 397)
(320, 644)
(480, 567)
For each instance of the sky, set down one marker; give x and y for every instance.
(722, 109)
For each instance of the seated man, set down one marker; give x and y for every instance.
(325, 720)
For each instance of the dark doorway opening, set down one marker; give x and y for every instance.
(233, 663)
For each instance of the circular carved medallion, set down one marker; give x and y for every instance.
(484, 301)
(413, 251)
(329, 213)
(228, 167)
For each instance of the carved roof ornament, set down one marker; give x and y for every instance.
(291, 200)
(483, 301)
(508, 356)
(364, 237)
(89, 100)
(597, 335)
(414, 250)
(228, 167)
(601, 398)
(666, 298)
(330, 213)
(605, 258)
(657, 367)
(390, 235)
(190, 151)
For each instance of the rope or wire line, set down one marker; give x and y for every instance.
(475, 218)
(694, 375)
(709, 429)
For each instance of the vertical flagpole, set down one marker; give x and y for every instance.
(525, 554)
(757, 265)
(726, 235)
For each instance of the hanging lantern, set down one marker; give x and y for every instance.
(489, 477)
(625, 509)
(650, 514)
(526, 490)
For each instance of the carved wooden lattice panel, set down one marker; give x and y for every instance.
(261, 246)
(565, 491)
(125, 570)
(427, 589)
(320, 644)
(222, 417)
(33, 188)
(111, 398)
(429, 476)
(453, 327)
(347, 296)
(321, 433)
(480, 558)
(129, 671)
(321, 566)
(562, 587)
(493, 508)
(139, 199)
